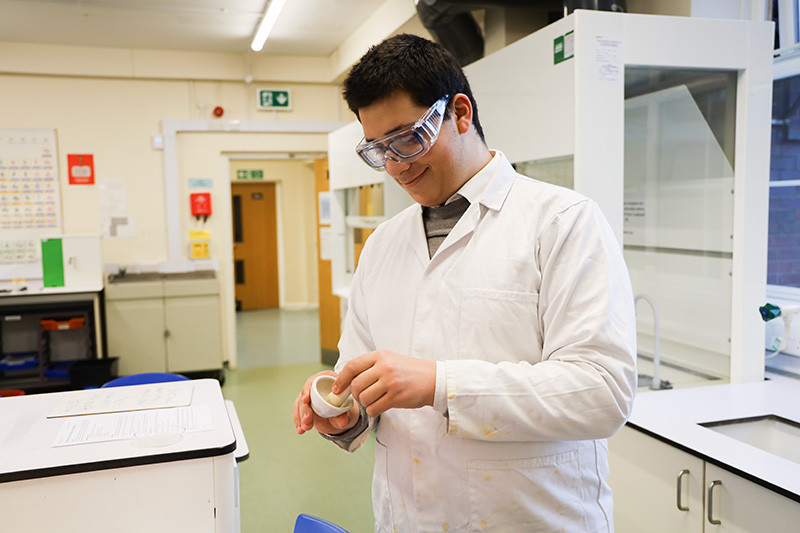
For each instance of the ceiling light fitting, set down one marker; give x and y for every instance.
(271, 15)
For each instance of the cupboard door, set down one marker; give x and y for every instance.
(135, 330)
(194, 341)
(742, 506)
(645, 475)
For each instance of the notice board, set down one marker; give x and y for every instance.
(30, 199)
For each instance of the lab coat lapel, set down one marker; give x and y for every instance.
(491, 199)
(415, 233)
(463, 229)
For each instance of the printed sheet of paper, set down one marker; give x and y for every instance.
(121, 399)
(125, 426)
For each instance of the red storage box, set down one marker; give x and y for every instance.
(54, 324)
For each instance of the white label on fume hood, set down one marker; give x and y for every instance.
(569, 44)
(608, 55)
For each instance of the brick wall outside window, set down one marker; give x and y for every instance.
(783, 257)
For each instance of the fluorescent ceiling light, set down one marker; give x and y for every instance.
(274, 9)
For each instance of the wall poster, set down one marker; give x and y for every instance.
(30, 199)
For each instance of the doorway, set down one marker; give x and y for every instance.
(255, 245)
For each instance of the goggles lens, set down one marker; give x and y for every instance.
(408, 144)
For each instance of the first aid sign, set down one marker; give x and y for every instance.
(81, 169)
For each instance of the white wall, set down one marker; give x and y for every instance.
(110, 103)
(115, 118)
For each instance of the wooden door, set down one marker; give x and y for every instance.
(255, 245)
(329, 311)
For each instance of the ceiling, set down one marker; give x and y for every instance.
(305, 27)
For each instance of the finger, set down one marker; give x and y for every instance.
(296, 410)
(379, 406)
(369, 380)
(298, 419)
(368, 391)
(353, 368)
(375, 402)
(306, 418)
(298, 413)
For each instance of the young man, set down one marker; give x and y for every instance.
(490, 335)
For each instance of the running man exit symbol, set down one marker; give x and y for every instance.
(274, 99)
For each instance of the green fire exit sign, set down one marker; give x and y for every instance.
(243, 174)
(274, 99)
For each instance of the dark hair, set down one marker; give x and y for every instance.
(423, 69)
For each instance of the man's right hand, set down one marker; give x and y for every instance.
(305, 419)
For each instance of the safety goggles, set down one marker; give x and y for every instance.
(408, 144)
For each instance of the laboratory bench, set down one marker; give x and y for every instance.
(157, 457)
(717, 457)
(45, 332)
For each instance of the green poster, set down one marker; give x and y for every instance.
(52, 263)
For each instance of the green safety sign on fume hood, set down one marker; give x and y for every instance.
(563, 47)
(274, 99)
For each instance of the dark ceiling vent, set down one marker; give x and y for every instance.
(452, 24)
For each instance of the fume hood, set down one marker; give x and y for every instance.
(664, 122)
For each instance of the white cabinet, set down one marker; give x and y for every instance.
(742, 506)
(644, 475)
(658, 487)
(164, 325)
(132, 484)
(361, 199)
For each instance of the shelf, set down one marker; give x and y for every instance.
(363, 222)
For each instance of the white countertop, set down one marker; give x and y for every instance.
(27, 436)
(674, 416)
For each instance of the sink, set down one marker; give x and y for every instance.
(158, 276)
(771, 433)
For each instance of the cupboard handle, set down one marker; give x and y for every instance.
(680, 477)
(711, 502)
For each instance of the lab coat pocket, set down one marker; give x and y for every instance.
(381, 499)
(497, 325)
(535, 494)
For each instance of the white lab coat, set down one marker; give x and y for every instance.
(529, 305)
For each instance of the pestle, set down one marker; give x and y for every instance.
(338, 399)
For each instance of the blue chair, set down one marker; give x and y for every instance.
(141, 379)
(306, 523)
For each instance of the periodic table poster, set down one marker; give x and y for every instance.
(30, 199)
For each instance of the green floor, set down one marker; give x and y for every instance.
(288, 474)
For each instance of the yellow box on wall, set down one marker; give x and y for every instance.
(200, 250)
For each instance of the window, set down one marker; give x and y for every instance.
(783, 255)
(783, 260)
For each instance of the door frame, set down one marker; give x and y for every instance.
(312, 144)
(225, 211)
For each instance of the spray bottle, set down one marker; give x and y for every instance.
(786, 312)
